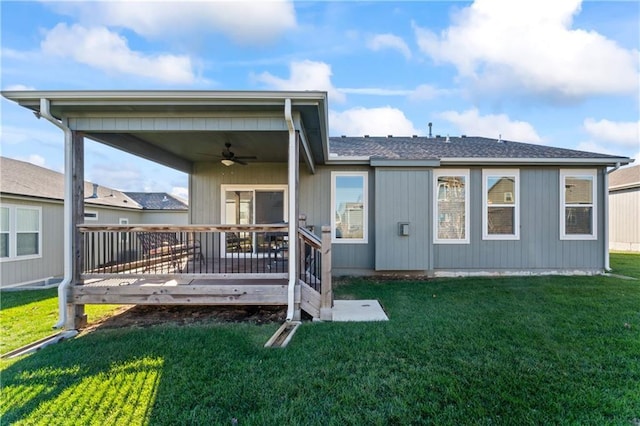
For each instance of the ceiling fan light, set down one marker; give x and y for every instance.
(227, 162)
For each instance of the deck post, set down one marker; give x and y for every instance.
(76, 318)
(326, 297)
(293, 310)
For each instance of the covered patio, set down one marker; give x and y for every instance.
(225, 256)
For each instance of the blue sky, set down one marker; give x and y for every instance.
(556, 72)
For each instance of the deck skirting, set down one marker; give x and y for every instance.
(138, 291)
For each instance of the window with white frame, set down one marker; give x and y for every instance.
(349, 207)
(500, 204)
(578, 204)
(20, 232)
(90, 215)
(451, 206)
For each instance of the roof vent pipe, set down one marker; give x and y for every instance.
(430, 125)
(95, 191)
(500, 138)
(447, 140)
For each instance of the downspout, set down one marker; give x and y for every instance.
(607, 266)
(293, 238)
(68, 212)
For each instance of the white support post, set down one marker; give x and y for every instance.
(293, 311)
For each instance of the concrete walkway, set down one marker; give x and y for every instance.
(358, 310)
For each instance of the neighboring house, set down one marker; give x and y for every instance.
(31, 208)
(393, 205)
(624, 207)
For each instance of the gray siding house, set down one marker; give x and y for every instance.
(400, 205)
(624, 206)
(31, 208)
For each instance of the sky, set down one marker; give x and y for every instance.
(562, 73)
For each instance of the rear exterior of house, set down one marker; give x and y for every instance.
(542, 225)
(383, 205)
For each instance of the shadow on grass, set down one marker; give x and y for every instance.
(12, 298)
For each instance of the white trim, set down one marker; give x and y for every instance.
(253, 188)
(13, 233)
(365, 209)
(94, 214)
(499, 173)
(464, 173)
(579, 173)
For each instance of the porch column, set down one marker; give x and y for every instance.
(76, 318)
(293, 309)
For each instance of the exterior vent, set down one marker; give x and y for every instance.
(500, 138)
(463, 136)
(438, 136)
(447, 140)
(414, 136)
(366, 136)
(343, 136)
(389, 136)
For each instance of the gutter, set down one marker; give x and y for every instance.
(68, 211)
(293, 190)
(607, 266)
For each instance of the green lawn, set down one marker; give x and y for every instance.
(535, 350)
(29, 315)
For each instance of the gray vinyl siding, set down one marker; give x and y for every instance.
(50, 264)
(402, 196)
(539, 247)
(624, 220)
(314, 201)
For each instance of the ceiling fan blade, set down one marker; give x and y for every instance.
(237, 160)
(253, 157)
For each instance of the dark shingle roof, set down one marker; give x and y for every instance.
(158, 201)
(26, 179)
(422, 148)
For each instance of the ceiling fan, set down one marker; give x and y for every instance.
(229, 158)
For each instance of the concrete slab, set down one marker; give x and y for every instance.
(358, 310)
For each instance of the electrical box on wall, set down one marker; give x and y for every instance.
(403, 229)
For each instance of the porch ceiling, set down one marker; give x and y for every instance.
(180, 147)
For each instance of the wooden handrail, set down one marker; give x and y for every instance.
(309, 238)
(277, 227)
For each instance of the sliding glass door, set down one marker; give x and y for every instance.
(247, 204)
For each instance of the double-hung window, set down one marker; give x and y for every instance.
(349, 207)
(451, 206)
(578, 204)
(20, 232)
(500, 204)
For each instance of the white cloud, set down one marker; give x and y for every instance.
(371, 121)
(36, 159)
(471, 123)
(19, 87)
(623, 133)
(246, 22)
(180, 192)
(426, 92)
(100, 48)
(530, 46)
(304, 75)
(389, 41)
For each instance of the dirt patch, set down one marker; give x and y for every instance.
(141, 316)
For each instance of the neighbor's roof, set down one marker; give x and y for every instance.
(625, 178)
(158, 201)
(26, 179)
(469, 149)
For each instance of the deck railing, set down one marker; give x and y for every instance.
(196, 250)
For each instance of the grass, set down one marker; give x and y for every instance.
(525, 350)
(29, 315)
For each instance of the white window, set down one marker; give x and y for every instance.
(451, 206)
(20, 232)
(90, 215)
(253, 204)
(500, 204)
(578, 204)
(349, 207)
